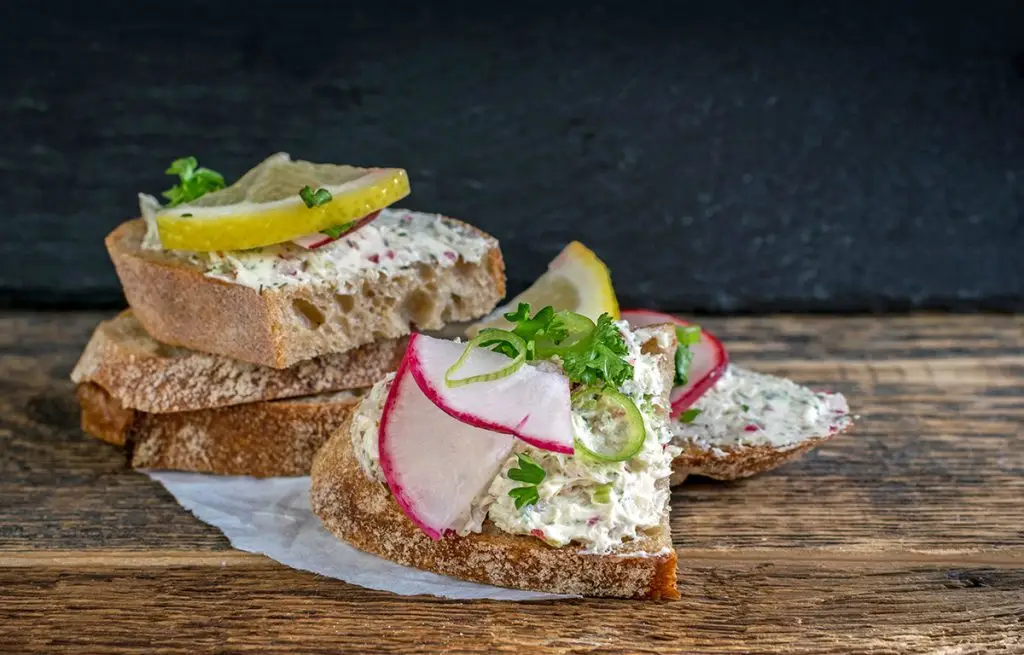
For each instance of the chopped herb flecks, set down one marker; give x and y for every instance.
(316, 198)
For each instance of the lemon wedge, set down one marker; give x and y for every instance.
(576, 280)
(264, 207)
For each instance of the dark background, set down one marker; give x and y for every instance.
(721, 156)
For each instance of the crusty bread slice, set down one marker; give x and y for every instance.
(277, 327)
(143, 374)
(736, 453)
(261, 439)
(363, 512)
(735, 463)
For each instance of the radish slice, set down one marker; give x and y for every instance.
(319, 239)
(531, 404)
(313, 241)
(709, 358)
(434, 464)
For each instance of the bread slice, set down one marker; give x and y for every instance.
(363, 512)
(261, 439)
(178, 304)
(725, 444)
(143, 374)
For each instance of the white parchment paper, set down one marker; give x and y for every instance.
(273, 517)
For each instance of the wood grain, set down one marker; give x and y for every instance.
(907, 535)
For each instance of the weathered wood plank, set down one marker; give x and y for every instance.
(935, 463)
(727, 607)
(906, 535)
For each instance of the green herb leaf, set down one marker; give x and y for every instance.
(183, 167)
(689, 415)
(687, 336)
(524, 496)
(600, 357)
(590, 353)
(529, 471)
(542, 324)
(315, 198)
(684, 357)
(194, 181)
(746, 408)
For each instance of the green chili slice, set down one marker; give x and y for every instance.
(617, 429)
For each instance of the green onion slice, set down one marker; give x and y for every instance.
(506, 342)
(578, 328)
(619, 426)
(602, 494)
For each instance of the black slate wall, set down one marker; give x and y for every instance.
(720, 156)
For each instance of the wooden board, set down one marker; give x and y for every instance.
(906, 535)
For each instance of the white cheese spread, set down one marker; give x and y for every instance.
(395, 241)
(637, 489)
(745, 408)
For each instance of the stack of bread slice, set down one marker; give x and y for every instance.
(208, 373)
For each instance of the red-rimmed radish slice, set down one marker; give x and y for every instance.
(531, 404)
(320, 239)
(708, 364)
(435, 465)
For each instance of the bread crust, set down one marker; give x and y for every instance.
(742, 462)
(262, 439)
(179, 305)
(143, 374)
(363, 512)
(102, 416)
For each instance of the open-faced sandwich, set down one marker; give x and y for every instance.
(537, 457)
(261, 311)
(731, 422)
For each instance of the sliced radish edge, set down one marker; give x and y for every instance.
(433, 393)
(387, 466)
(319, 239)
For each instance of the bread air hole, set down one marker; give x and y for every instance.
(345, 301)
(418, 306)
(308, 313)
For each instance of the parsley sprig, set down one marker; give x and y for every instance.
(596, 355)
(194, 181)
(600, 357)
(532, 474)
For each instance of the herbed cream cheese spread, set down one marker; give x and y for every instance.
(637, 489)
(397, 240)
(745, 408)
